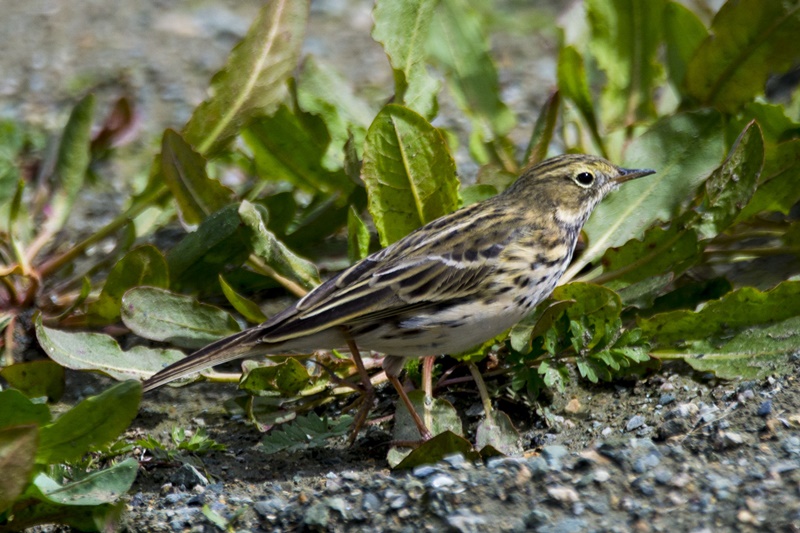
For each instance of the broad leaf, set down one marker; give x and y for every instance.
(435, 450)
(141, 266)
(625, 39)
(409, 173)
(253, 82)
(17, 410)
(498, 432)
(683, 33)
(95, 421)
(184, 172)
(402, 27)
(103, 486)
(750, 40)
(696, 147)
(245, 307)
(286, 378)
(36, 378)
(161, 315)
(17, 454)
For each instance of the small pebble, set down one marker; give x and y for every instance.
(563, 494)
(765, 408)
(440, 480)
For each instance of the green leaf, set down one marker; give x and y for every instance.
(95, 421)
(754, 353)
(683, 33)
(436, 449)
(245, 307)
(323, 92)
(275, 254)
(357, 237)
(778, 190)
(408, 172)
(460, 46)
(696, 146)
(101, 353)
(17, 453)
(597, 305)
(499, 432)
(402, 27)
(12, 141)
(443, 417)
(730, 187)
(141, 266)
(17, 410)
(287, 378)
(36, 379)
(72, 162)
(750, 40)
(218, 242)
(737, 310)
(252, 83)
(625, 39)
(184, 172)
(161, 315)
(542, 131)
(477, 193)
(573, 86)
(309, 431)
(292, 147)
(104, 486)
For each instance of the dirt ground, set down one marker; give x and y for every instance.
(676, 451)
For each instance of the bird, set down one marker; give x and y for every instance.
(444, 288)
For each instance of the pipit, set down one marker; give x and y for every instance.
(446, 287)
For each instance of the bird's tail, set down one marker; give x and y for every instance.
(227, 349)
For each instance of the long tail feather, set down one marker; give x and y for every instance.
(227, 349)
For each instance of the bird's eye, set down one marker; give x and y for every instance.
(584, 179)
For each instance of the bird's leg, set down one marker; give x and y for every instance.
(369, 390)
(424, 433)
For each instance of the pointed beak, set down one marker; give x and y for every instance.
(627, 174)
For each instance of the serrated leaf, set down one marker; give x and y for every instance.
(104, 486)
(357, 237)
(642, 294)
(141, 266)
(736, 311)
(696, 144)
(161, 315)
(17, 453)
(402, 27)
(245, 307)
(252, 83)
(72, 163)
(625, 39)
(36, 379)
(730, 187)
(408, 172)
(683, 33)
(292, 146)
(309, 431)
(95, 421)
(598, 306)
(184, 172)
(750, 40)
(17, 410)
(275, 254)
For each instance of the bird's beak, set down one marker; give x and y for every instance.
(627, 174)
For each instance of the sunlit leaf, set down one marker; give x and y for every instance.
(141, 266)
(245, 307)
(436, 449)
(95, 421)
(696, 148)
(402, 27)
(625, 39)
(750, 40)
(357, 237)
(499, 432)
(101, 353)
(409, 173)
(253, 81)
(161, 315)
(103, 486)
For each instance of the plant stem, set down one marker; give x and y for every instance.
(485, 400)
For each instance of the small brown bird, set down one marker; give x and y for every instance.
(448, 286)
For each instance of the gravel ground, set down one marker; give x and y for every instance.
(674, 452)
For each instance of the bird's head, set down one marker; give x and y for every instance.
(571, 185)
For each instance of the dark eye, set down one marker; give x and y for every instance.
(584, 179)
